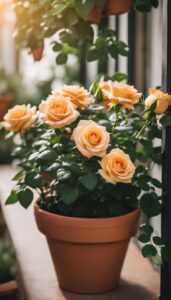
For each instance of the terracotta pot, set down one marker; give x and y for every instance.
(117, 7)
(5, 102)
(95, 15)
(37, 53)
(88, 254)
(9, 289)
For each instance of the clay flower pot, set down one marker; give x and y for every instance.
(117, 7)
(8, 289)
(95, 15)
(88, 254)
(37, 53)
(5, 102)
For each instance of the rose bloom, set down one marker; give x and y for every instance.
(20, 118)
(91, 139)
(119, 93)
(117, 167)
(57, 111)
(79, 96)
(163, 101)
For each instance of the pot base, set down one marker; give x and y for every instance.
(89, 268)
(89, 293)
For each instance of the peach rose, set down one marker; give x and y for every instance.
(117, 167)
(57, 111)
(91, 139)
(79, 96)
(119, 93)
(163, 101)
(20, 118)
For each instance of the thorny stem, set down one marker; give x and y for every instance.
(143, 128)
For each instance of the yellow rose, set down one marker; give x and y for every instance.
(119, 93)
(20, 118)
(117, 167)
(57, 111)
(78, 95)
(163, 101)
(91, 139)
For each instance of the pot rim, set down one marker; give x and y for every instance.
(87, 222)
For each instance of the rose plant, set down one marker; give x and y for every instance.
(87, 156)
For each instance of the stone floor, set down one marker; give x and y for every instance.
(36, 274)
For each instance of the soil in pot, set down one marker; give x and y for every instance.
(117, 7)
(88, 254)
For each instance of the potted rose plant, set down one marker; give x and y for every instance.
(88, 159)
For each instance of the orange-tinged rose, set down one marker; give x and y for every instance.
(163, 100)
(57, 111)
(20, 118)
(117, 167)
(79, 96)
(114, 92)
(91, 139)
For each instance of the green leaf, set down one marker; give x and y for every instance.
(33, 179)
(149, 251)
(140, 169)
(25, 197)
(150, 205)
(156, 183)
(33, 156)
(12, 199)
(18, 176)
(61, 59)
(69, 195)
(63, 174)
(147, 229)
(144, 238)
(119, 76)
(47, 155)
(113, 51)
(52, 169)
(9, 135)
(89, 181)
(73, 166)
(122, 48)
(158, 240)
(143, 185)
(71, 18)
(83, 7)
(93, 54)
(57, 47)
(59, 8)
